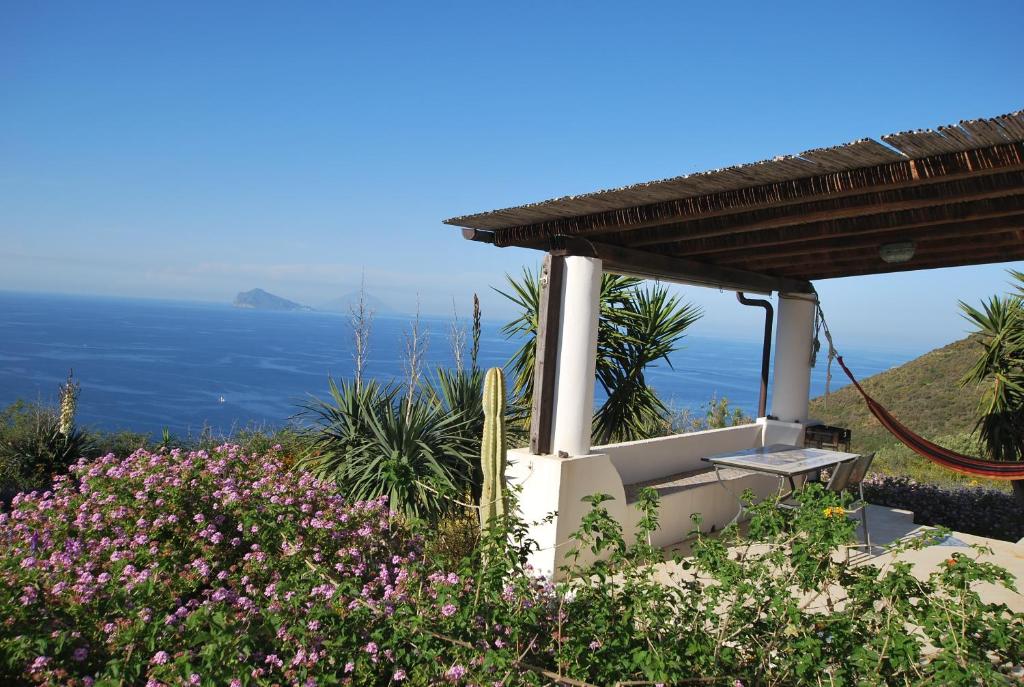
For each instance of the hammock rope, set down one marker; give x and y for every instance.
(939, 455)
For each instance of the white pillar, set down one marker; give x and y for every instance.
(577, 356)
(793, 340)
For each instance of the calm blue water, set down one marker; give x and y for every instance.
(145, 365)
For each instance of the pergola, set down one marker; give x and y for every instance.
(913, 200)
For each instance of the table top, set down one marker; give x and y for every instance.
(781, 459)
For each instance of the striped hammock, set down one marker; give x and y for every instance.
(937, 454)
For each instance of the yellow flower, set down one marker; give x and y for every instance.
(834, 512)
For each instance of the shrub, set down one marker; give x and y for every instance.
(224, 568)
(373, 444)
(166, 565)
(973, 510)
(33, 449)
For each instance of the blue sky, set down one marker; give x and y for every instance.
(193, 150)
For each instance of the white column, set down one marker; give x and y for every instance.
(793, 340)
(577, 356)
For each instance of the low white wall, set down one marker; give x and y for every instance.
(553, 485)
(640, 461)
(552, 488)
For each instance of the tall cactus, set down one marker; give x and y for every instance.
(493, 447)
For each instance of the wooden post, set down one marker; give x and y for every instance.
(546, 357)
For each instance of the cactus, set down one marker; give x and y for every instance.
(493, 447)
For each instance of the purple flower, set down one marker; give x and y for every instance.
(371, 648)
(448, 610)
(80, 654)
(399, 675)
(456, 672)
(159, 658)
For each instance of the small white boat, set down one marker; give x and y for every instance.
(221, 400)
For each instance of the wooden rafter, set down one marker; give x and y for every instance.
(957, 193)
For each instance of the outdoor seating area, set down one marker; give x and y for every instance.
(915, 200)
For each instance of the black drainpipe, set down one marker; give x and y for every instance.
(766, 350)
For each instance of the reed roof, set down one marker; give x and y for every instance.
(956, 192)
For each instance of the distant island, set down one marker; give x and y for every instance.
(258, 299)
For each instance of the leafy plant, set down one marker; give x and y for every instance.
(375, 444)
(224, 567)
(33, 449)
(1000, 325)
(638, 327)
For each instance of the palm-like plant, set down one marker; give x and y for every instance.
(999, 323)
(375, 443)
(638, 326)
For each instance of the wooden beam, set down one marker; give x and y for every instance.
(766, 258)
(549, 315)
(743, 242)
(855, 207)
(648, 265)
(913, 265)
(894, 175)
(924, 252)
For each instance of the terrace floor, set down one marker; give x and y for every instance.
(890, 525)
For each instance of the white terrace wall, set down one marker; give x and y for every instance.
(640, 461)
(554, 485)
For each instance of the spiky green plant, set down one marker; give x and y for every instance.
(374, 442)
(638, 327)
(493, 448)
(999, 323)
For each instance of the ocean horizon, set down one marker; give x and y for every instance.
(147, 365)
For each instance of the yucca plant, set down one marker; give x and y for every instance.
(375, 442)
(342, 424)
(999, 324)
(638, 327)
(35, 446)
(460, 393)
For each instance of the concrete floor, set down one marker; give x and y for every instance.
(890, 525)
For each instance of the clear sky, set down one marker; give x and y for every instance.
(193, 149)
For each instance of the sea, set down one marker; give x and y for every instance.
(151, 365)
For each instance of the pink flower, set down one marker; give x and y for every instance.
(399, 675)
(159, 658)
(456, 672)
(448, 610)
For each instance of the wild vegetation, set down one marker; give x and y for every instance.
(222, 567)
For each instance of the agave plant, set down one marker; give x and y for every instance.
(374, 443)
(638, 327)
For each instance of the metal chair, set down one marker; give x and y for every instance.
(845, 476)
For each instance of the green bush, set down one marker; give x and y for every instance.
(226, 568)
(33, 449)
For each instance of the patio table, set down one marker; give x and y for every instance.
(782, 460)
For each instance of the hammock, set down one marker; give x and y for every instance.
(919, 445)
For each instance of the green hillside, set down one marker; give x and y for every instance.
(925, 394)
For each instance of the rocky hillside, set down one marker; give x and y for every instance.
(925, 394)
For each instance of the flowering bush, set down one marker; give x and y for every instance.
(974, 510)
(223, 568)
(187, 568)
